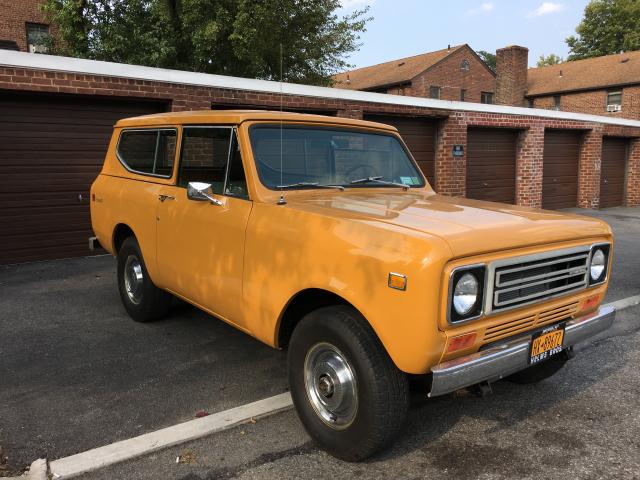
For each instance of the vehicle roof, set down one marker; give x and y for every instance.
(233, 117)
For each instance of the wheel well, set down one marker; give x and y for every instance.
(121, 233)
(303, 303)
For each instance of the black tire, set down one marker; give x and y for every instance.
(539, 372)
(150, 303)
(382, 399)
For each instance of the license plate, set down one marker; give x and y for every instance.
(546, 344)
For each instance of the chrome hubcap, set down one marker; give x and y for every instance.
(331, 385)
(133, 279)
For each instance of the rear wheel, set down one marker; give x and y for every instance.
(141, 298)
(348, 393)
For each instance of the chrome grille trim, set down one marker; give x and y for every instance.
(574, 278)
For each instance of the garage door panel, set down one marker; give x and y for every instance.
(613, 171)
(561, 159)
(420, 135)
(491, 164)
(51, 149)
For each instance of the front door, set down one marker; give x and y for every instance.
(201, 244)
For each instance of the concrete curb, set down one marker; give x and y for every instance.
(37, 471)
(183, 432)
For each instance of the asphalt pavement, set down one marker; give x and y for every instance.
(77, 373)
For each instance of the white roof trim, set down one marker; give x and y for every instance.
(76, 65)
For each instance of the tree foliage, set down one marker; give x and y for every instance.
(488, 58)
(229, 37)
(608, 27)
(551, 59)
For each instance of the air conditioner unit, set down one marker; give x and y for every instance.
(34, 48)
(614, 108)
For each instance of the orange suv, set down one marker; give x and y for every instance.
(322, 236)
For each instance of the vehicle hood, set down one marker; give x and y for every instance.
(468, 226)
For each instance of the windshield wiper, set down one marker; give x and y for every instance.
(378, 180)
(310, 184)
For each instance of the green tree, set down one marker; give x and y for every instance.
(488, 58)
(229, 37)
(551, 59)
(608, 27)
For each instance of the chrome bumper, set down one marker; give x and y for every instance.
(509, 357)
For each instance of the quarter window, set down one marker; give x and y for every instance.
(149, 152)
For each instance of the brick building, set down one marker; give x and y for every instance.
(56, 116)
(454, 73)
(608, 85)
(23, 26)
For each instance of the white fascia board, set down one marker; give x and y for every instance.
(14, 59)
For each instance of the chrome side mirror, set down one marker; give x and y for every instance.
(202, 192)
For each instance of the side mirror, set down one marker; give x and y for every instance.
(201, 192)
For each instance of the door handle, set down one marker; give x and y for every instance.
(162, 197)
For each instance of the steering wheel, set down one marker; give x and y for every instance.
(364, 166)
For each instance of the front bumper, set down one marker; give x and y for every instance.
(512, 356)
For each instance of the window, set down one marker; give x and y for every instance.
(486, 97)
(434, 92)
(38, 37)
(464, 66)
(556, 102)
(329, 156)
(205, 151)
(236, 179)
(614, 100)
(149, 152)
(531, 103)
(463, 93)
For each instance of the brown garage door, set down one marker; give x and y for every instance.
(491, 164)
(560, 170)
(420, 136)
(51, 149)
(614, 164)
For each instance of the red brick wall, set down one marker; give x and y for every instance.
(13, 17)
(452, 79)
(450, 172)
(595, 103)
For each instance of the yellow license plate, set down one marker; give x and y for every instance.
(546, 343)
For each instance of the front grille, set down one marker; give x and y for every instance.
(536, 278)
(524, 324)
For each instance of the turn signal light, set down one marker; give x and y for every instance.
(591, 302)
(461, 342)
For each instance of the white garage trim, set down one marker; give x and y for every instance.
(92, 67)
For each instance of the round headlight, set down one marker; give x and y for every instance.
(598, 261)
(465, 294)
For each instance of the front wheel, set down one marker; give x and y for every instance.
(141, 298)
(348, 393)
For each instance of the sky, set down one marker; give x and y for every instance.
(401, 28)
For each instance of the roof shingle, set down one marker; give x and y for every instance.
(591, 73)
(394, 72)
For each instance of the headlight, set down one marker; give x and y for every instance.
(598, 263)
(465, 294)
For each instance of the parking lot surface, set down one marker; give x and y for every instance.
(77, 373)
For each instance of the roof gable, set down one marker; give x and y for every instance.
(394, 72)
(588, 74)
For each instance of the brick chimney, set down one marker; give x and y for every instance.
(511, 75)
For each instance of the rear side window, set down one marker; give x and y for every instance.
(149, 152)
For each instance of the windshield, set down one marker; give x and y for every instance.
(313, 157)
